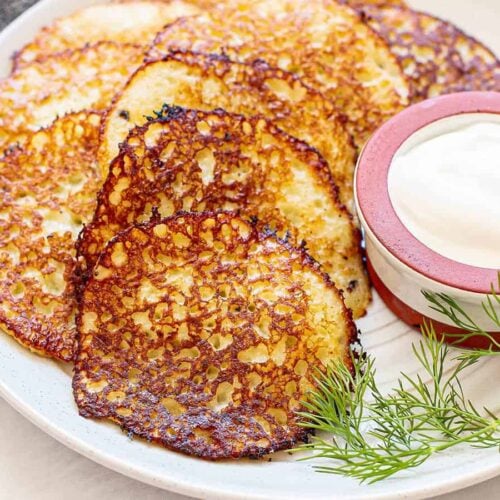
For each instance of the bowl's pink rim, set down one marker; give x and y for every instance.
(373, 195)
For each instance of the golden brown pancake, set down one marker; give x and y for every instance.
(75, 80)
(200, 334)
(325, 43)
(48, 190)
(208, 4)
(196, 161)
(437, 56)
(379, 3)
(488, 79)
(133, 22)
(199, 81)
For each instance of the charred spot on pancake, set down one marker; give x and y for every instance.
(352, 285)
(124, 114)
(185, 163)
(199, 333)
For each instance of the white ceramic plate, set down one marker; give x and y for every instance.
(40, 389)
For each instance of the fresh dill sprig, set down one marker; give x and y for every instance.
(447, 306)
(377, 435)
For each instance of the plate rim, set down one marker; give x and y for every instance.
(168, 483)
(17, 29)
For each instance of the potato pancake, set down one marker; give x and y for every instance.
(48, 191)
(437, 56)
(200, 334)
(133, 22)
(325, 43)
(206, 82)
(196, 161)
(379, 3)
(75, 80)
(207, 4)
(488, 79)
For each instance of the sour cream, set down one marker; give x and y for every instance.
(444, 184)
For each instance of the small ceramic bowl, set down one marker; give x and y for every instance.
(400, 265)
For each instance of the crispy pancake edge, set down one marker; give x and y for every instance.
(401, 92)
(416, 93)
(306, 260)
(319, 166)
(40, 346)
(203, 61)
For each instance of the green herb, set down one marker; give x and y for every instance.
(447, 306)
(166, 113)
(377, 435)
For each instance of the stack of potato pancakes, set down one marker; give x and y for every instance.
(176, 211)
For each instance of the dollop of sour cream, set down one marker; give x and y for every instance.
(444, 184)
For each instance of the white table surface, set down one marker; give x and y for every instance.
(33, 466)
